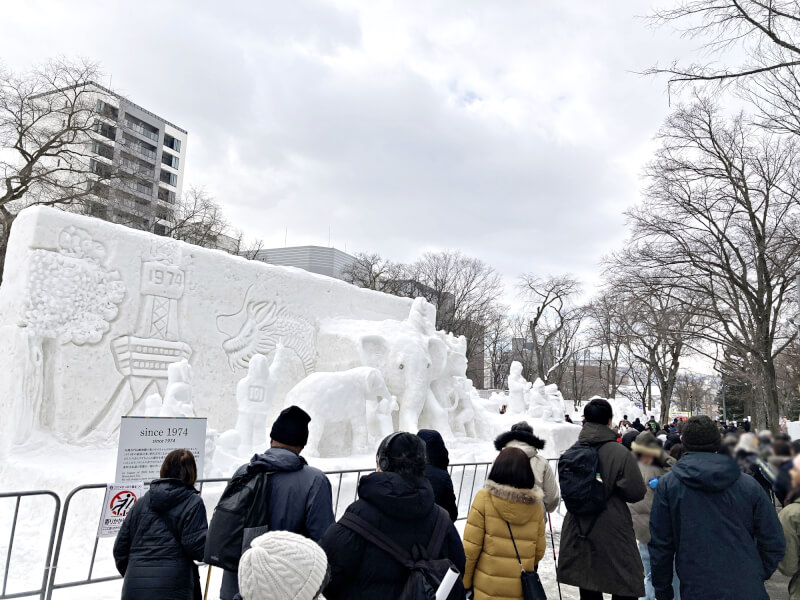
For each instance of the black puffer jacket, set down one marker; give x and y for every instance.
(402, 509)
(156, 564)
(436, 471)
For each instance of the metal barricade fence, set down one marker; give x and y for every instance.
(467, 478)
(17, 497)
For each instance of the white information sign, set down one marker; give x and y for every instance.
(144, 442)
(119, 500)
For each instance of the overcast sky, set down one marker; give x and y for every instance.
(513, 131)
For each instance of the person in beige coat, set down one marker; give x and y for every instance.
(508, 504)
(790, 521)
(653, 463)
(521, 436)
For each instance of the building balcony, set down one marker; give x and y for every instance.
(141, 130)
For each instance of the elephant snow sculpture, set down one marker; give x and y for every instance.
(340, 397)
(408, 359)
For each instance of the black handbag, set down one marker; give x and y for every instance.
(531, 584)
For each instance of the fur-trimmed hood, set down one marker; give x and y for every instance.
(512, 494)
(515, 505)
(523, 437)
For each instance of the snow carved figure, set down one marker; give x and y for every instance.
(379, 418)
(254, 402)
(408, 359)
(554, 404)
(152, 405)
(178, 396)
(518, 389)
(226, 454)
(338, 398)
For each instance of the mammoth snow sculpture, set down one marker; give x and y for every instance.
(408, 360)
(342, 397)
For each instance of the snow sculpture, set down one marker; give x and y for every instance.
(72, 296)
(226, 454)
(379, 418)
(254, 400)
(93, 313)
(178, 397)
(341, 397)
(546, 402)
(518, 389)
(260, 326)
(407, 359)
(152, 405)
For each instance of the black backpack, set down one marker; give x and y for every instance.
(582, 488)
(426, 573)
(241, 515)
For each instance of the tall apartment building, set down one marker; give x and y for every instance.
(149, 150)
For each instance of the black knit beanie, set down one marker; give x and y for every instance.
(700, 434)
(291, 427)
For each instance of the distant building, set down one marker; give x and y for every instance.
(316, 259)
(148, 149)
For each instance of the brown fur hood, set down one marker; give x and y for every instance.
(512, 494)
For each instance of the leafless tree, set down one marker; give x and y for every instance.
(465, 291)
(247, 248)
(719, 223)
(373, 272)
(46, 119)
(199, 219)
(605, 316)
(498, 347)
(552, 323)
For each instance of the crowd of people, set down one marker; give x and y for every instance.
(688, 510)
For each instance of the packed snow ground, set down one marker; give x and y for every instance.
(45, 463)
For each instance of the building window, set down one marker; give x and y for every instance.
(166, 195)
(103, 150)
(105, 129)
(160, 229)
(169, 178)
(141, 127)
(100, 168)
(105, 109)
(172, 143)
(169, 160)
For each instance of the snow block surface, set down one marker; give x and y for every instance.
(92, 315)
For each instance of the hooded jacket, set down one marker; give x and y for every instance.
(720, 528)
(790, 565)
(300, 501)
(436, 471)
(492, 568)
(543, 475)
(405, 511)
(646, 443)
(163, 533)
(608, 559)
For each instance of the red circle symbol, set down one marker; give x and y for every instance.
(122, 502)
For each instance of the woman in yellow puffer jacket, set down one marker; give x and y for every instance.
(508, 499)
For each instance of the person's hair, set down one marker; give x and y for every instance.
(796, 446)
(677, 451)
(512, 467)
(407, 456)
(783, 437)
(180, 464)
(625, 417)
(781, 449)
(598, 411)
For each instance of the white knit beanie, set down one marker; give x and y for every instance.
(281, 565)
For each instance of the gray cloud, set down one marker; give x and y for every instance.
(514, 131)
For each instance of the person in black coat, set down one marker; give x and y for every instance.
(436, 471)
(398, 501)
(162, 536)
